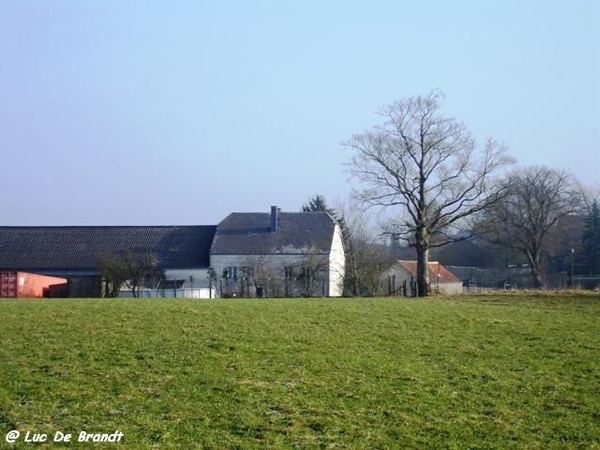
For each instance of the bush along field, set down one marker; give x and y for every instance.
(489, 372)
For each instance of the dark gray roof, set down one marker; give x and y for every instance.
(80, 248)
(250, 234)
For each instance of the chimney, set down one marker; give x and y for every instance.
(274, 218)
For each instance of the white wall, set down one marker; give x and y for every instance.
(277, 263)
(337, 264)
(204, 293)
(448, 288)
(196, 287)
(200, 277)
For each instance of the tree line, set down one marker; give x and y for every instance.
(438, 185)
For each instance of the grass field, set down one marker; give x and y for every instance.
(490, 372)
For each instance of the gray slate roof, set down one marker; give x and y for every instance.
(250, 234)
(79, 248)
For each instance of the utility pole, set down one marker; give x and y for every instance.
(571, 283)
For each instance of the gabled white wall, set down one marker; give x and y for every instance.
(276, 263)
(337, 263)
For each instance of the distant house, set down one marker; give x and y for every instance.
(278, 254)
(75, 252)
(400, 279)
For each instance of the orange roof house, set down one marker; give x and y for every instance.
(400, 279)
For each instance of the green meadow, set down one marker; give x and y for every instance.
(472, 372)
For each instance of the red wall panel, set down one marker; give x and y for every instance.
(25, 285)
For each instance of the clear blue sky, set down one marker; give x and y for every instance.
(179, 112)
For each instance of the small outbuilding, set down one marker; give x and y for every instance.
(400, 279)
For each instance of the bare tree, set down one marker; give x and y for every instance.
(256, 273)
(590, 240)
(299, 276)
(129, 269)
(138, 267)
(365, 258)
(312, 269)
(430, 169)
(113, 273)
(538, 198)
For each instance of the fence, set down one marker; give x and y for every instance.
(172, 293)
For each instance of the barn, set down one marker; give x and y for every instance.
(76, 252)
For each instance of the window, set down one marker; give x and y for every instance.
(230, 273)
(289, 272)
(247, 272)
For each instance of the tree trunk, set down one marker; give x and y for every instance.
(422, 272)
(535, 264)
(537, 278)
(536, 273)
(422, 247)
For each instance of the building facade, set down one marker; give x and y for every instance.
(76, 253)
(246, 254)
(278, 254)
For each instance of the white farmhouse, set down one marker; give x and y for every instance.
(278, 254)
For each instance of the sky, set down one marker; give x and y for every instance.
(178, 113)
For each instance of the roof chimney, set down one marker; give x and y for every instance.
(274, 218)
